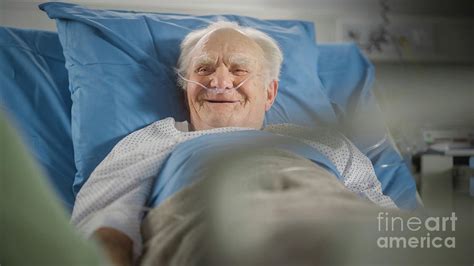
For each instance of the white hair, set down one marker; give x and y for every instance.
(271, 52)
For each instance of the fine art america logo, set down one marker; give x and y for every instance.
(413, 229)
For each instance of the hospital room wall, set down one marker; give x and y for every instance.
(25, 14)
(412, 95)
(325, 13)
(2, 9)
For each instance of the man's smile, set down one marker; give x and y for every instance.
(222, 101)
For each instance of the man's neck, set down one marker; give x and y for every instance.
(183, 126)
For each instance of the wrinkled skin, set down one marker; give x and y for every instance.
(224, 59)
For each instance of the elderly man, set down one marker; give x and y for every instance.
(230, 77)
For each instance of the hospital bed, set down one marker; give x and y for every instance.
(75, 93)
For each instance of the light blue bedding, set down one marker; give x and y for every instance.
(347, 78)
(190, 159)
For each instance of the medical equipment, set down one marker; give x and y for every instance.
(456, 142)
(216, 90)
(431, 136)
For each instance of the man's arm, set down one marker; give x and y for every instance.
(110, 205)
(117, 246)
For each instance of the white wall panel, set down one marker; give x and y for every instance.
(27, 18)
(325, 13)
(25, 14)
(1, 12)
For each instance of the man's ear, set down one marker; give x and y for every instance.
(272, 91)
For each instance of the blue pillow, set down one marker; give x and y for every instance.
(34, 95)
(347, 77)
(121, 79)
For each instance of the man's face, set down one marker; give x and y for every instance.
(224, 59)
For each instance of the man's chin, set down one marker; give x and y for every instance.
(219, 124)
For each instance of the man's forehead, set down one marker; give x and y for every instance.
(231, 57)
(229, 40)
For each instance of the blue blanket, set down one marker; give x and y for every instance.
(189, 160)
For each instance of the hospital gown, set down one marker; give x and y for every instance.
(116, 192)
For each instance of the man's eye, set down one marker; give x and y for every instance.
(240, 71)
(203, 71)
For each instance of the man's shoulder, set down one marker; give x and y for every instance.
(154, 131)
(157, 127)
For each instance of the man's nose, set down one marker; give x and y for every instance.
(222, 78)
